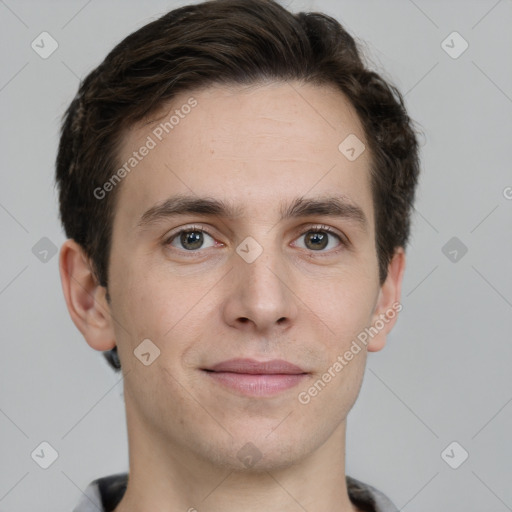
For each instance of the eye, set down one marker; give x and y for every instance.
(319, 238)
(190, 239)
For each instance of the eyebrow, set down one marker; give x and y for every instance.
(332, 206)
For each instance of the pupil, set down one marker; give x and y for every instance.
(321, 237)
(193, 238)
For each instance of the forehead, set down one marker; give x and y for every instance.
(252, 145)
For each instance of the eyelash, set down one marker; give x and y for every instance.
(310, 229)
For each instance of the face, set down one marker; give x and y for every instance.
(253, 279)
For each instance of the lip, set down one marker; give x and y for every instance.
(251, 366)
(256, 378)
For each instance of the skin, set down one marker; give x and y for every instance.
(256, 147)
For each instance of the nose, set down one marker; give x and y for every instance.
(259, 293)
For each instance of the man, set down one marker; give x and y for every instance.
(236, 188)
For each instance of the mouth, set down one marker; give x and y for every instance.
(256, 378)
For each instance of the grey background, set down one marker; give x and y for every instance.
(445, 373)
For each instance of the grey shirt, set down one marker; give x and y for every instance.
(104, 494)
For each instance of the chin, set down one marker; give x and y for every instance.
(260, 453)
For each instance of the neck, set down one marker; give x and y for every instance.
(165, 476)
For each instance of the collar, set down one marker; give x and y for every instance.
(105, 493)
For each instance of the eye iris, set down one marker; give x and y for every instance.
(195, 238)
(191, 240)
(318, 237)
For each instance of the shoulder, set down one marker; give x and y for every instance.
(103, 494)
(368, 498)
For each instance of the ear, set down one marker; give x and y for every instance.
(388, 303)
(85, 298)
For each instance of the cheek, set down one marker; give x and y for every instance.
(136, 303)
(344, 305)
(161, 401)
(161, 307)
(347, 310)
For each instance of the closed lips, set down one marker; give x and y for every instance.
(253, 367)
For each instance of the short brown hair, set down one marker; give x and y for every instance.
(227, 42)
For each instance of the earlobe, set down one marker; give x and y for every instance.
(85, 298)
(388, 304)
